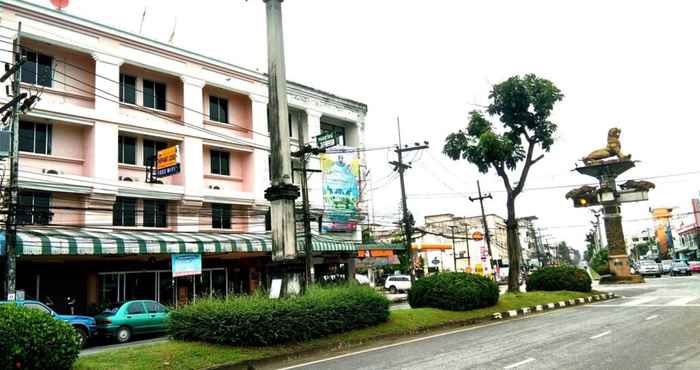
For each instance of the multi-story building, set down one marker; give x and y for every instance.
(472, 255)
(92, 227)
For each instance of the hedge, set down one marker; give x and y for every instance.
(559, 278)
(260, 321)
(456, 291)
(31, 339)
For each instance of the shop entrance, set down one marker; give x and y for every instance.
(160, 286)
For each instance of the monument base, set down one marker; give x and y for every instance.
(620, 271)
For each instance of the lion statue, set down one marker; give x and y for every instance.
(638, 185)
(614, 149)
(582, 191)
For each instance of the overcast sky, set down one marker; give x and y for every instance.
(630, 64)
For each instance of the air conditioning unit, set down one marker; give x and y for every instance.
(5, 143)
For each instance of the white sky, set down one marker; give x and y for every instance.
(631, 64)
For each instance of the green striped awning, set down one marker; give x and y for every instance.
(59, 241)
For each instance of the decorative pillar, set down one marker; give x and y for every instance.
(191, 157)
(106, 91)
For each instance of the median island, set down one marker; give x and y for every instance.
(383, 324)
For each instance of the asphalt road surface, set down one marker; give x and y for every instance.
(656, 325)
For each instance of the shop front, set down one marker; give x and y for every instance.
(88, 269)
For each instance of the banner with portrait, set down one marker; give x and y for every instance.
(341, 192)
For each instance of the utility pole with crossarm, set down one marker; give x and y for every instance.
(407, 220)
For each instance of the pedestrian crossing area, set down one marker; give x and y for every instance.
(653, 301)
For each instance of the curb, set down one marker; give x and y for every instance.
(552, 306)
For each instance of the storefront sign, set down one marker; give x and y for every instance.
(477, 235)
(275, 288)
(186, 264)
(341, 192)
(168, 161)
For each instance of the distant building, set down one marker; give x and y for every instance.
(472, 255)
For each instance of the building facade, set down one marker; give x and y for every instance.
(93, 224)
(472, 255)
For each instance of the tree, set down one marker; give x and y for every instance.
(523, 106)
(564, 253)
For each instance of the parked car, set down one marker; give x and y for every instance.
(694, 266)
(680, 268)
(666, 266)
(397, 283)
(84, 325)
(123, 320)
(650, 267)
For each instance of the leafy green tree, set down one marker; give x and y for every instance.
(523, 106)
(564, 254)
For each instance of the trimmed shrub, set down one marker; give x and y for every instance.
(457, 291)
(559, 278)
(31, 339)
(260, 321)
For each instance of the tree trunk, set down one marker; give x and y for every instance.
(513, 247)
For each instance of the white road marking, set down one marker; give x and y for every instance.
(417, 340)
(642, 305)
(681, 301)
(601, 334)
(638, 301)
(523, 362)
(652, 317)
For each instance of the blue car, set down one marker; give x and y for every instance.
(85, 326)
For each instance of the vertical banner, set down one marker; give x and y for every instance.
(341, 192)
(186, 264)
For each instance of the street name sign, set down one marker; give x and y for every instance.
(326, 140)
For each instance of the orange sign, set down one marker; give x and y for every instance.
(477, 235)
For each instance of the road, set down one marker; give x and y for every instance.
(656, 325)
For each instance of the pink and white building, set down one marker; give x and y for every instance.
(92, 227)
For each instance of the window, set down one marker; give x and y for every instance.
(37, 70)
(38, 307)
(289, 122)
(150, 150)
(124, 212)
(151, 307)
(221, 216)
(219, 163)
(218, 109)
(35, 137)
(127, 150)
(127, 89)
(153, 94)
(338, 131)
(155, 213)
(135, 308)
(33, 208)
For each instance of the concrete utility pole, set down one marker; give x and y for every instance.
(282, 193)
(466, 242)
(303, 154)
(487, 234)
(598, 237)
(454, 250)
(407, 218)
(11, 220)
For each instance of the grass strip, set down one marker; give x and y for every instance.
(196, 355)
